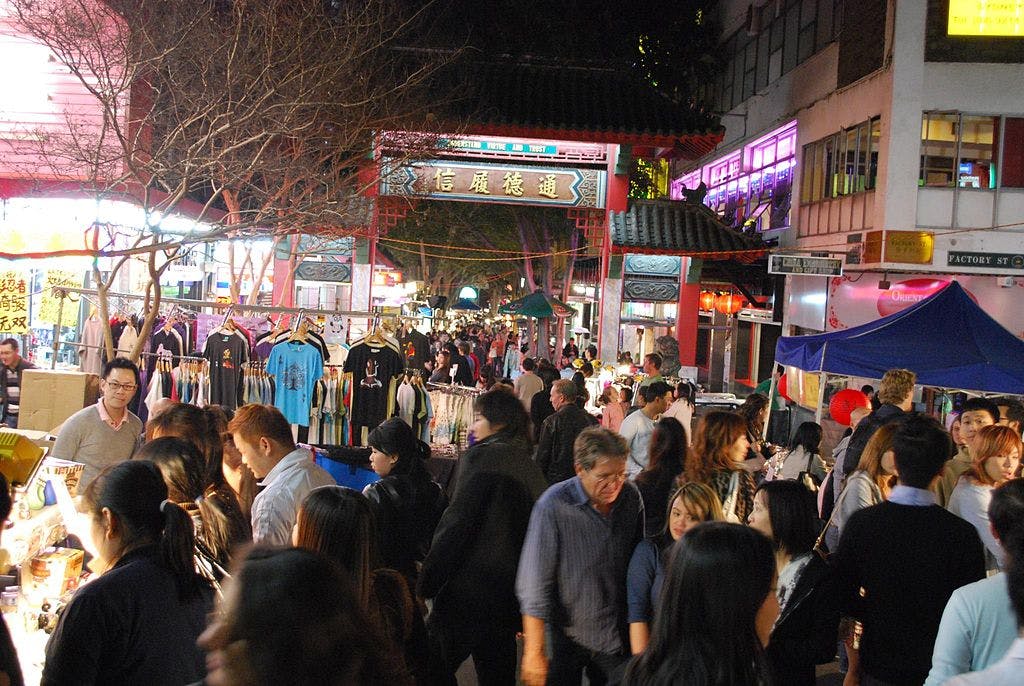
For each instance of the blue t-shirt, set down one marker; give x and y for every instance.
(296, 367)
(643, 582)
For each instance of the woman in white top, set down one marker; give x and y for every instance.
(996, 461)
(682, 407)
(802, 456)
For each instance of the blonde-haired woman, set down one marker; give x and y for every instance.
(690, 505)
(868, 485)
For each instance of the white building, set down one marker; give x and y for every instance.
(873, 132)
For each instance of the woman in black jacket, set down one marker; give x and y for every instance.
(805, 632)
(471, 568)
(407, 504)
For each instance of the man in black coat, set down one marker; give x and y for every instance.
(554, 452)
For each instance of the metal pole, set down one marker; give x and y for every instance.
(771, 392)
(56, 330)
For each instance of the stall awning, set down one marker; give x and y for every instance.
(672, 227)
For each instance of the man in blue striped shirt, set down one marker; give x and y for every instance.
(572, 571)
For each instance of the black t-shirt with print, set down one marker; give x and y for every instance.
(227, 352)
(372, 369)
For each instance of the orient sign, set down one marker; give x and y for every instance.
(903, 294)
(483, 182)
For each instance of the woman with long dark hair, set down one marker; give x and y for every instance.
(805, 633)
(220, 526)
(690, 505)
(703, 636)
(803, 455)
(338, 523)
(754, 411)
(205, 428)
(406, 503)
(666, 455)
(138, 622)
(717, 457)
(470, 571)
(291, 617)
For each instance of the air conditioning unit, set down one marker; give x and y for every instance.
(1006, 281)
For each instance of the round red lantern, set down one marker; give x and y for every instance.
(707, 300)
(845, 402)
(783, 387)
(728, 303)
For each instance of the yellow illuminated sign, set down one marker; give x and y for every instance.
(986, 18)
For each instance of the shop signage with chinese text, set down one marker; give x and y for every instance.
(980, 18)
(804, 264)
(13, 303)
(484, 182)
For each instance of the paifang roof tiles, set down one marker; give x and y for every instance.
(672, 227)
(593, 104)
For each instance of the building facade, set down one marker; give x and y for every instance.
(889, 134)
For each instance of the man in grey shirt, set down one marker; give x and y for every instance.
(106, 433)
(572, 571)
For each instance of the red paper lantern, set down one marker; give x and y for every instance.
(707, 300)
(728, 303)
(783, 387)
(845, 402)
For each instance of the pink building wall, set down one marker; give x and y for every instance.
(46, 111)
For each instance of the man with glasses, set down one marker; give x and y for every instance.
(108, 432)
(572, 571)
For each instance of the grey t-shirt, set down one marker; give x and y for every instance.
(86, 438)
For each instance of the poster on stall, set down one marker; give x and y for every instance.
(856, 299)
(49, 304)
(13, 303)
(803, 387)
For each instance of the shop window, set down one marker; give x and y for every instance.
(703, 347)
(843, 163)
(744, 344)
(1013, 153)
(976, 168)
(958, 149)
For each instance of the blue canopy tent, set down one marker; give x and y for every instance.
(946, 339)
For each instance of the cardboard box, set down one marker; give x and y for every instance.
(53, 572)
(48, 397)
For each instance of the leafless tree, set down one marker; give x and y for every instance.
(257, 117)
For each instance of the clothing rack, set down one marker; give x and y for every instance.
(64, 292)
(454, 389)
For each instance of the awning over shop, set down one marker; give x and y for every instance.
(671, 227)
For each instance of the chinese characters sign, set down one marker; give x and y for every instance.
(48, 308)
(13, 303)
(482, 182)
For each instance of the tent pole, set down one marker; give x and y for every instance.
(771, 392)
(822, 381)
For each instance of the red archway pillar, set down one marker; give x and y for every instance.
(687, 311)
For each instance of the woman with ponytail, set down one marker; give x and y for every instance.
(138, 622)
(406, 503)
(219, 524)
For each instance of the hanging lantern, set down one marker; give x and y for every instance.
(707, 300)
(728, 303)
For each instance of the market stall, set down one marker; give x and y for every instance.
(946, 339)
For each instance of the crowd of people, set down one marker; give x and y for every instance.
(620, 546)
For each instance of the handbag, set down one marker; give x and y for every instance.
(729, 507)
(807, 478)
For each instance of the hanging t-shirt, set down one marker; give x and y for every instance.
(167, 344)
(415, 347)
(372, 370)
(227, 351)
(296, 368)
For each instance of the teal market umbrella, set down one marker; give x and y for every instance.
(464, 304)
(538, 305)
